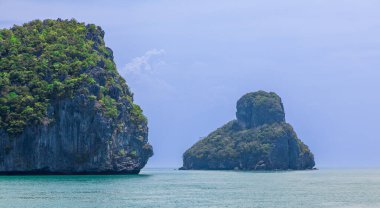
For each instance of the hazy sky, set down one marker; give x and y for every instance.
(188, 62)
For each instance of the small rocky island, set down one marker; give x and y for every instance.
(259, 139)
(64, 108)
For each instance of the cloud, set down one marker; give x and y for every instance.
(144, 63)
(145, 74)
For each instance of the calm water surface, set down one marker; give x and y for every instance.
(172, 188)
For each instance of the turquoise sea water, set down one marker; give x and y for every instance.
(173, 188)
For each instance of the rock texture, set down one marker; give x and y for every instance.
(259, 139)
(96, 129)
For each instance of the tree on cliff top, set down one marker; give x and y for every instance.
(43, 61)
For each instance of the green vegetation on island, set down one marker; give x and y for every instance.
(44, 61)
(259, 139)
(64, 108)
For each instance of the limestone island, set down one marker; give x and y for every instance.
(259, 139)
(64, 108)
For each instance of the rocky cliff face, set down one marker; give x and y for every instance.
(259, 139)
(79, 116)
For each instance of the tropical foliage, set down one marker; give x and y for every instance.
(45, 61)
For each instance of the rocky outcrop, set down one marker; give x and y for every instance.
(259, 139)
(90, 125)
(79, 139)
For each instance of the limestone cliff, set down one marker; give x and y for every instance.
(259, 139)
(64, 108)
